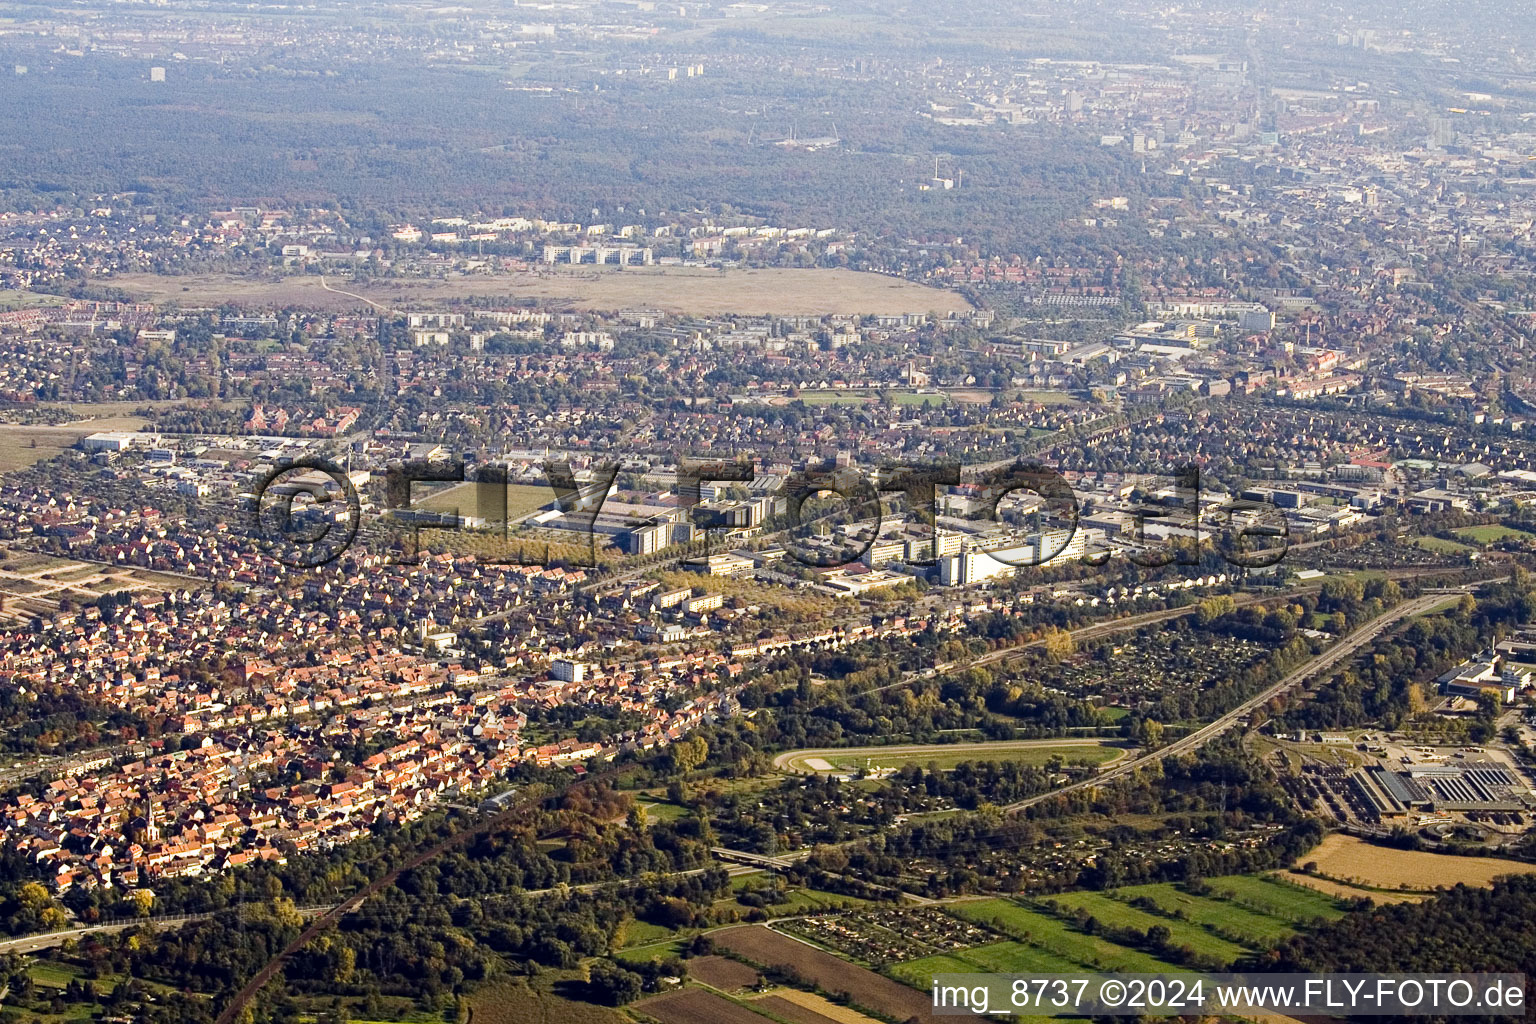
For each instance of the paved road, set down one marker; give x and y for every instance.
(1200, 737)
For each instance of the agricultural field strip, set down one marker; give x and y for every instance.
(1116, 914)
(1354, 861)
(1267, 910)
(1033, 928)
(1218, 916)
(1277, 899)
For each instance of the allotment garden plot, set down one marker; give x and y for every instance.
(1165, 671)
(1160, 927)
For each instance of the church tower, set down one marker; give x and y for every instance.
(151, 830)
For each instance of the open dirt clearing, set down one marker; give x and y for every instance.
(809, 1008)
(690, 290)
(866, 988)
(695, 1006)
(945, 755)
(720, 972)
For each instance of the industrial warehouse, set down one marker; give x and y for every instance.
(1471, 786)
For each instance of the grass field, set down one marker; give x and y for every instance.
(1010, 957)
(863, 397)
(1492, 533)
(23, 445)
(920, 973)
(11, 299)
(801, 901)
(945, 755)
(483, 500)
(1110, 911)
(997, 958)
(654, 951)
(644, 933)
(1048, 397)
(656, 811)
(1222, 917)
(1056, 936)
(1348, 859)
(1276, 898)
(695, 291)
(1441, 546)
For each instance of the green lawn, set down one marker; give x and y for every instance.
(1293, 903)
(11, 298)
(864, 397)
(1018, 958)
(1109, 911)
(1057, 936)
(1491, 533)
(644, 933)
(57, 975)
(1048, 397)
(1441, 546)
(662, 812)
(483, 499)
(645, 954)
(1220, 916)
(920, 973)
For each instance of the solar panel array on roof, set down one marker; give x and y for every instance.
(1455, 790)
(1401, 788)
(1473, 785)
(1492, 775)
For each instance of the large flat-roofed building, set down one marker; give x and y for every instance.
(1041, 548)
(109, 441)
(970, 567)
(1492, 676)
(725, 565)
(647, 540)
(883, 552)
(623, 255)
(1472, 786)
(863, 582)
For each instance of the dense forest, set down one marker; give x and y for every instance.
(1464, 929)
(389, 142)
